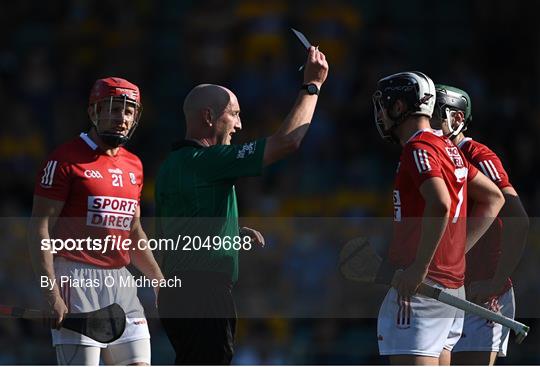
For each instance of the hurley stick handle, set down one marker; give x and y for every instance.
(521, 330)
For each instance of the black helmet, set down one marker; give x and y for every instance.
(453, 99)
(416, 89)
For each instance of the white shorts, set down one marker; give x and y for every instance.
(137, 351)
(91, 288)
(418, 325)
(481, 335)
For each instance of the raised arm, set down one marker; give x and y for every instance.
(291, 132)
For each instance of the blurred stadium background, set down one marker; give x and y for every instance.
(52, 51)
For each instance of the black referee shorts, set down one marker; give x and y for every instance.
(199, 318)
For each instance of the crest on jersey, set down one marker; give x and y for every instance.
(132, 178)
(116, 171)
(247, 149)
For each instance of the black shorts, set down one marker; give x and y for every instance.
(199, 318)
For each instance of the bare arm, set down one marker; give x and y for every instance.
(44, 215)
(514, 236)
(488, 201)
(291, 132)
(434, 221)
(143, 259)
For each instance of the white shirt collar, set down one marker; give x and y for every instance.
(463, 141)
(87, 140)
(421, 131)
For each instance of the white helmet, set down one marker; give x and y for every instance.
(414, 88)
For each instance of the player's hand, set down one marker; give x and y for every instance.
(483, 291)
(56, 309)
(407, 281)
(316, 69)
(256, 236)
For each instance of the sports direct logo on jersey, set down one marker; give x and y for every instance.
(110, 212)
(454, 155)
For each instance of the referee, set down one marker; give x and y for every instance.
(195, 198)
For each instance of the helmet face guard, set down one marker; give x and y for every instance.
(113, 139)
(105, 93)
(449, 100)
(380, 109)
(444, 113)
(415, 89)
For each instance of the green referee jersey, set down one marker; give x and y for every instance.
(195, 199)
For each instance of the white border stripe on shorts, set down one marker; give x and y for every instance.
(403, 317)
(400, 306)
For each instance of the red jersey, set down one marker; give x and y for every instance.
(100, 194)
(483, 258)
(424, 156)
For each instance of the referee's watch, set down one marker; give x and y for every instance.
(311, 88)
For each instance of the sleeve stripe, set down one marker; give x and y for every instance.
(422, 160)
(484, 170)
(426, 159)
(489, 170)
(48, 173)
(494, 170)
(415, 155)
(45, 173)
(53, 168)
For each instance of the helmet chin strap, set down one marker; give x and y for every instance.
(398, 120)
(454, 132)
(113, 140)
(110, 139)
(393, 136)
(116, 140)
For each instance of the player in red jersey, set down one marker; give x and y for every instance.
(90, 188)
(430, 232)
(493, 259)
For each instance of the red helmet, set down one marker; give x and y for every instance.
(114, 87)
(110, 89)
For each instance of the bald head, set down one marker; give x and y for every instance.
(205, 96)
